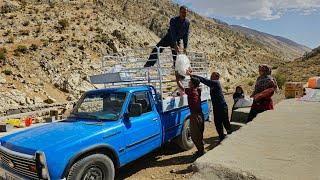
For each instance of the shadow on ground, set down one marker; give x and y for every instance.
(168, 155)
(154, 159)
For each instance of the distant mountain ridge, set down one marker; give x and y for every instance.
(288, 47)
(301, 69)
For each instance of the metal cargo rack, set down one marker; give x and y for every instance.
(127, 69)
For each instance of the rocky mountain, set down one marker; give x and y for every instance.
(301, 69)
(49, 48)
(287, 47)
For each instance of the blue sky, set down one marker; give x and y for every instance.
(298, 20)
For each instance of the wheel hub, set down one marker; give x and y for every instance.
(93, 173)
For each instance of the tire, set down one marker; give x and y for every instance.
(184, 140)
(98, 166)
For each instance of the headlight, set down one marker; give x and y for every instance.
(43, 165)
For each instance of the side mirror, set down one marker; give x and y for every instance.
(135, 109)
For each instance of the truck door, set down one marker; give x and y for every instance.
(143, 132)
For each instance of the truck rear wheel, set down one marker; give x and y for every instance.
(96, 166)
(184, 141)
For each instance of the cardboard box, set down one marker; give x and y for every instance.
(294, 89)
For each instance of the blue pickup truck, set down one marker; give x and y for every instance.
(107, 129)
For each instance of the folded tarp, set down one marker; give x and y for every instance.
(314, 83)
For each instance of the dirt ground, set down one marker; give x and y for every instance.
(169, 162)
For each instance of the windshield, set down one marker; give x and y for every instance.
(104, 106)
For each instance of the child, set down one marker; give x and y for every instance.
(196, 118)
(239, 94)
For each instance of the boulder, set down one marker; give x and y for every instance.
(29, 101)
(50, 100)
(37, 100)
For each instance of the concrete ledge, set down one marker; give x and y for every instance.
(281, 144)
(240, 115)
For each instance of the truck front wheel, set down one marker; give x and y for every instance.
(184, 140)
(96, 166)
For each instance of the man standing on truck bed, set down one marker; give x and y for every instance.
(179, 29)
(196, 117)
(219, 105)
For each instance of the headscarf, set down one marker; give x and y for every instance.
(265, 81)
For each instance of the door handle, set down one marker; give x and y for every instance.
(155, 119)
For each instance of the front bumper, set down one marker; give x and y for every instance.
(7, 175)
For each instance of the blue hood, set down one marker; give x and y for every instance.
(57, 134)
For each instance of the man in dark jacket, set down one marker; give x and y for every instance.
(219, 105)
(179, 29)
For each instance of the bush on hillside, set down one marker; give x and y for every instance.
(281, 79)
(3, 57)
(20, 49)
(62, 24)
(7, 72)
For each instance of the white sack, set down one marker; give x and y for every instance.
(182, 64)
(244, 102)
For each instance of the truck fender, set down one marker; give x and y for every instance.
(104, 148)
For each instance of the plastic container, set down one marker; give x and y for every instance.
(28, 121)
(14, 122)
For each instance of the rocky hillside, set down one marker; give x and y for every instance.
(47, 50)
(301, 69)
(287, 47)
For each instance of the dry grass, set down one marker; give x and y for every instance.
(301, 70)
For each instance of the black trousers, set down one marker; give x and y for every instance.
(166, 41)
(221, 119)
(253, 113)
(197, 129)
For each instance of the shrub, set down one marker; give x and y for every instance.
(20, 49)
(33, 47)
(7, 32)
(63, 24)
(281, 79)
(102, 38)
(4, 50)
(2, 56)
(99, 30)
(227, 88)
(7, 72)
(24, 32)
(45, 42)
(251, 83)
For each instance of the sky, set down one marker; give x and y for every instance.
(298, 20)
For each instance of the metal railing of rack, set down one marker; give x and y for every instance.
(127, 69)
